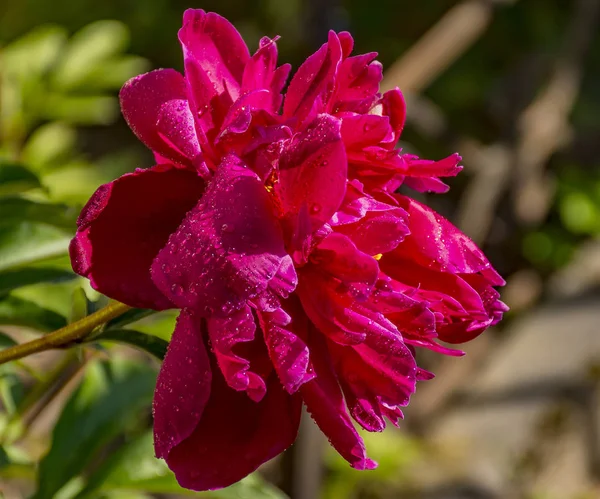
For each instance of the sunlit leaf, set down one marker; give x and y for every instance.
(49, 146)
(81, 110)
(110, 393)
(91, 45)
(15, 179)
(27, 242)
(35, 52)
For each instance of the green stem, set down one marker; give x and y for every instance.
(62, 337)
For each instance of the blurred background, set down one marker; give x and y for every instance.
(513, 85)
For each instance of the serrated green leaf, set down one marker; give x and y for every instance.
(13, 279)
(153, 345)
(111, 393)
(27, 243)
(14, 210)
(19, 312)
(134, 467)
(15, 179)
(91, 45)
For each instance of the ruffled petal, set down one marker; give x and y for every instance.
(225, 335)
(155, 107)
(335, 311)
(183, 385)
(124, 226)
(229, 249)
(235, 435)
(325, 403)
(284, 339)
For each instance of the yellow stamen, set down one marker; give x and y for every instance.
(378, 256)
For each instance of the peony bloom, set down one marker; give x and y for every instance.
(273, 224)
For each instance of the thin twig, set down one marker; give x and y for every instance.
(69, 334)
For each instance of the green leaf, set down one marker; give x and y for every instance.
(90, 46)
(81, 110)
(15, 179)
(19, 312)
(111, 393)
(134, 467)
(27, 243)
(13, 279)
(49, 146)
(151, 344)
(11, 387)
(15, 209)
(36, 52)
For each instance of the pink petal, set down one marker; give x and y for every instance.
(312, 175)
(358, 82)
(124, 226)
(325, 403)
(261, 73)
(313, 84)
(183, 385)
(235, 435)
(361, 130)
(155, 108)
(287, 350)
(437, 244)
(331, 306)
(229, 248)
(378, 232)
(215, 56)
(225, 334)
(394, 106)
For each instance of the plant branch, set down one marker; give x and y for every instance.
(71, 333)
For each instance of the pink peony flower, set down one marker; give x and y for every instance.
(302, 277)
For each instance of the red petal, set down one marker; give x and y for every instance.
(313, 169)
(123, 227)
(183, 385)
(325, 403)
(235, 435)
